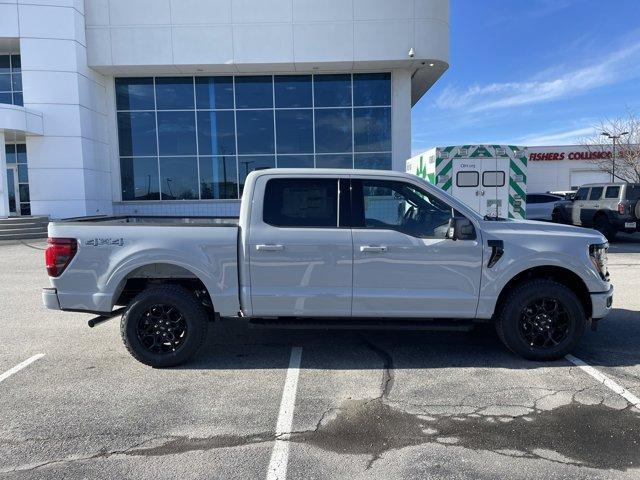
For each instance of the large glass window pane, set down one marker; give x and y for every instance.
(294, 131)
(6, 98)
(179, 178)
(23, 173)
(5, 64)
(255, 131)
(10, 151)
(25, 209)
(24, 193)
(372, 161)
(137, 134)
(177, 133)
(5, 83)
(214, 92)
(218, 178)
(372, 129)
(139, 179)
(15, 63)
(333, 130)
(301, 202)
(134, 94)
(17, 99)
(21, 150)
(174, 93)
(334, 161)
(332, 90)
(293, 91)
(371, 89)
(248, 164)
(295, 161)
(216, 133)
(254, 92)
(16, 79)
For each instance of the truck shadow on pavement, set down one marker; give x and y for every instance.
(235, 345)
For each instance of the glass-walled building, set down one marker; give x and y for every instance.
(166, 112)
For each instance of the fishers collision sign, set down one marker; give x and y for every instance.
(550, 154)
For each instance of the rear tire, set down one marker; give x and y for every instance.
(164, 326)
(602, 224)
(541, 320)
(556, 217)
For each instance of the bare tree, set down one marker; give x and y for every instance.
(623, 161)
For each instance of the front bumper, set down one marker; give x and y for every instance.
(601, 303)
(50, 298)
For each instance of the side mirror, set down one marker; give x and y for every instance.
(461, 228)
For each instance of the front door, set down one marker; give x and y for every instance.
(13, 190)
(579, 202)
(404, 266)
(300, 248)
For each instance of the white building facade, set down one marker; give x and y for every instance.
(163, 106)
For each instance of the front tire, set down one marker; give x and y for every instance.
(164, 326)
(603, 225)
(541, 320)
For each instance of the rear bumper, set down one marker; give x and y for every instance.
(601, 304)
(50, 298)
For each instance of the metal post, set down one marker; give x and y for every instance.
(613, 170)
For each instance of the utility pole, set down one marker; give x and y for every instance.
(614, 138)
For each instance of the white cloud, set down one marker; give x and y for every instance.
(567, 137)
(621, 64)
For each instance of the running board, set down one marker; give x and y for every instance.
(448, 325)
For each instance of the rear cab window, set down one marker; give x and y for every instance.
(301, 202)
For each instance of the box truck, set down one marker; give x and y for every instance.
(492, 179)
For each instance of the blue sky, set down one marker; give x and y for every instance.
(532, 72)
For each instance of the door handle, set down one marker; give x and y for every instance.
(269, 248)
(373, 248)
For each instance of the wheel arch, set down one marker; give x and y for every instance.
(140, 277)
(562, 275)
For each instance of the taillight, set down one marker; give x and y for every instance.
(621, 208)
(59, 253)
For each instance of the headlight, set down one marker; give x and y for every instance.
(599, 257)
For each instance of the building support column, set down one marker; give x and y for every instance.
(4, 191)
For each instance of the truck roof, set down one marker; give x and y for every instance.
(309, 172)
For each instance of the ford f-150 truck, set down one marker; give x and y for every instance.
(334, 247)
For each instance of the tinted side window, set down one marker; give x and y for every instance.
(402, 207)
(612, 192)
(596, 193)
(582, 193)
(532, 198)
(303, 202)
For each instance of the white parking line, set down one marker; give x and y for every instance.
(20, 366)
(606, 381)
(280, 453)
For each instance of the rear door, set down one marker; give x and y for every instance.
(466, 182)
(300, 247)
(404, 266)
(494, 193)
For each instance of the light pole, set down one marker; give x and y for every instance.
(614, 138)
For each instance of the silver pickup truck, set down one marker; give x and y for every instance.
(335, 247)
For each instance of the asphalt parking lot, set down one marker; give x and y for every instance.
(361, 404)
